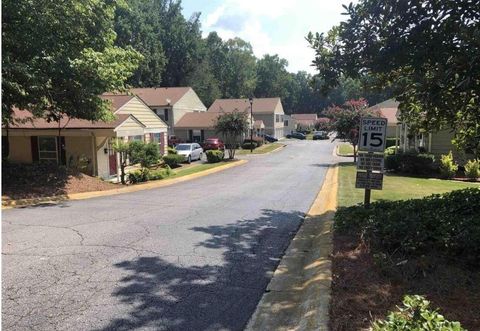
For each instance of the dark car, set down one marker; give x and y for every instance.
(297, 135)
(269, 138)
(213, 143)
(320, 135)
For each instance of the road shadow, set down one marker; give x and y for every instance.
(211, 295)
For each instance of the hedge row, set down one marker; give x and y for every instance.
(442, 225)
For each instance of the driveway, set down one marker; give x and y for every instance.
(193, 256)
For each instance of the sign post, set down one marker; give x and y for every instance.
(373, 134)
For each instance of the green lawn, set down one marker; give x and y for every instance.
(196, 168)
(345, 149)
(394, 187)
(310, 136)
(265, 148)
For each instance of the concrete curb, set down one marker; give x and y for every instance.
(298, 295)
(121, 190)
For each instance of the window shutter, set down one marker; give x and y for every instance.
(61, 150)
(34, 146)
(190, 135)
(202, 135)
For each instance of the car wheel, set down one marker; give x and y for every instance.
(189, 159)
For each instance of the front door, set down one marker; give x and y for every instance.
(112, 159)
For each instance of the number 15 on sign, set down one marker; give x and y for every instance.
(373, 134)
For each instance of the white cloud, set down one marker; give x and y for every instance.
(252, 20)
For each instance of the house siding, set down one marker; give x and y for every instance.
(143, 113)
(190, 102)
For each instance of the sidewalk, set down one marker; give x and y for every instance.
(298, 295)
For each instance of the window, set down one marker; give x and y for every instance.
(47, 149)
(277, 118)
(155, 137)
(137, 138)
(285, 123)
(165, 114)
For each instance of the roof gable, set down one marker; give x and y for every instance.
(160, 96)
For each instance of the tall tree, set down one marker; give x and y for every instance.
(241, 73)
(140, 25)
(272, 77)
(428, 51)
(59, 56)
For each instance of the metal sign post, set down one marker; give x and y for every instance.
(373, 133)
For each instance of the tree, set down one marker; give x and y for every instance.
(59, 56)
(345, 120)
(425, 51)
(140, 25)
(232, 126)
(241, 72)
(123, 149)
(272, 77)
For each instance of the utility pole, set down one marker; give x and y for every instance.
(251, 124)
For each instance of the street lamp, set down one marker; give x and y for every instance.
(251, 124)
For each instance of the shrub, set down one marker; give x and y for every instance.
(138, 176)
(440, 225)
(472, 169)
(448, 167)
(416, 314)
(171, 150)
(145, 154)
(390, 150)
(249, 145)
(256, 140)
(160, 173)
(410, 163)
(214, 156)
(173, 160)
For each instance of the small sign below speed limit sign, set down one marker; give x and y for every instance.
(373, 134)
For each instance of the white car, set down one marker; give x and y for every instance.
(191, 151)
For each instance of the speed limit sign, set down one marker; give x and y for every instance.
(373, 134)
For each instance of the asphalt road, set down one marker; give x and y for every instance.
(193, 256)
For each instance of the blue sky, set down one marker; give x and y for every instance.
(271, 26)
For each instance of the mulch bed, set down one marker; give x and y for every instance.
(37, 181)
(363, 292)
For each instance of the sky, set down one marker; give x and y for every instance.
(271, 26)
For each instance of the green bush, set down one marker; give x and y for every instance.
(173, 160)
(390, 150)
(256, 140)
(249, 145)
(171, 150)
(448, 167)
(472, 169)
(440, 225)
(214, 156)
(416, 315)
(138, 176)
(410, 163)
(160, 173)
(145, 154)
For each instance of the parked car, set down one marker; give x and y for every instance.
(191, 151)
(270, 139)
(320, 135)
(174, 141)
(297, 135)
(213, 143)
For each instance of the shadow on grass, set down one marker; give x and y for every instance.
(207, 294)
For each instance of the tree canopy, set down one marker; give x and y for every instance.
(427, 52)
(59, 56)
(232, 126)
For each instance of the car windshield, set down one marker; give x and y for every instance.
(183, 147)
(211, 141)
